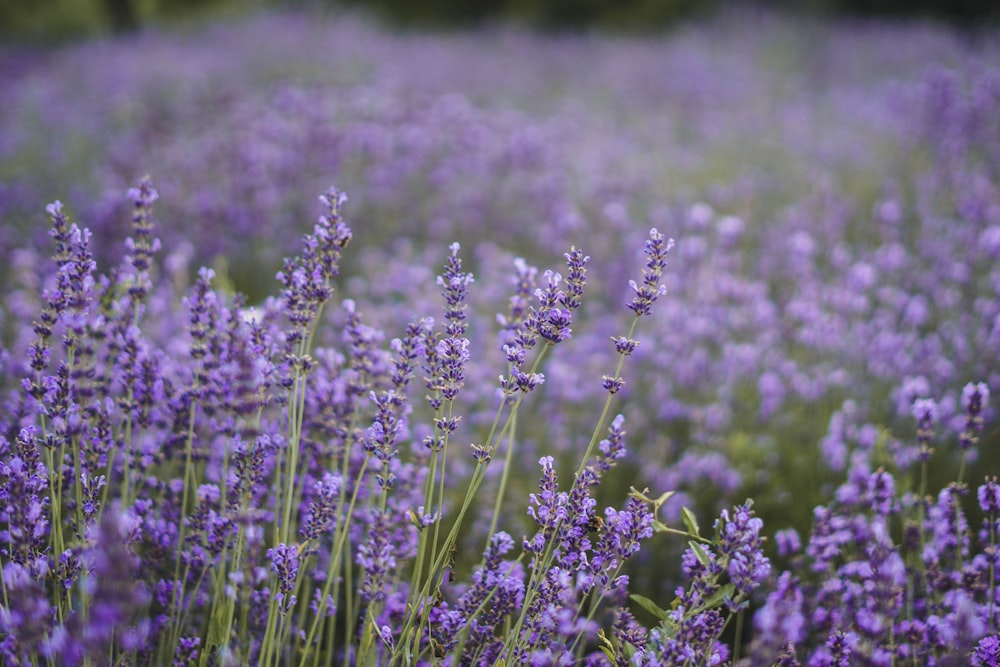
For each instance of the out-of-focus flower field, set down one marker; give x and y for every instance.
(834, 194)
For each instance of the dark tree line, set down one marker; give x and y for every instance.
(640, 14)
(31, 19)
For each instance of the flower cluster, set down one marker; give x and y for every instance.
(889, 574)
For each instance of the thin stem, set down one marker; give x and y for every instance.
(504, 476)
(993, 536)
(737, 642)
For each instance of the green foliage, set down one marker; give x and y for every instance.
(54, 20)
(27, 20)
(630, 15)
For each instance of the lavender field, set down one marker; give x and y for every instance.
(322, 344)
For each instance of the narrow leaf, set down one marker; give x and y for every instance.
(699, 552)
(690, 521)
(722, 593)
(649, 606)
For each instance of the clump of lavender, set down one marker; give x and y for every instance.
(889, 575)
(187, 480)
(724, 573)
(215, 484)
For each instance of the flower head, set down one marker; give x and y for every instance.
(656, 249)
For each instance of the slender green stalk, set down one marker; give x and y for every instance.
(739, 637)
(504, 476)
(993, 583)
(267, 643)
(296, 405)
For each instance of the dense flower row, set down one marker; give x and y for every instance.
(189, 481)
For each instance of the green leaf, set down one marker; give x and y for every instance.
(699, 552)
(690, 521)
(649, 606)
(608, 652)
(219, 625)
(657, 503)
(722, 593)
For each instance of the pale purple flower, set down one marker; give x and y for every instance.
(656, 249)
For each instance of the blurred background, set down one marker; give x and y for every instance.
(60, 19)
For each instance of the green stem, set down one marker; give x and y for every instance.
(739, 637)
(993, 535)
(504, 476)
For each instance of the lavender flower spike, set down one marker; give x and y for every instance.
(975, 398)
(656, 249)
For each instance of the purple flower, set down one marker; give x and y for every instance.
(306, 278)
(455, 283)
(284, 560)
(741, 543)
(987, 652)
(142, 246)
(118, 596)
(547, 508)
(497, 582)
(925, 411)
(837, 651)
(524, 287)
(882, 490)
(576, 278)
(377, 557)
(621, 535)
(656, 250)
(612, 448)
(625, 346)
(989, 497)
(186, 651)
(788, 542)
(975, 398)
(26, 621)
(24, 505)
(948, 529)
(322, 512)
(551, 322)
(781, 620)
(612, 384)
(445, 358)
(454, 355)
(787, 657)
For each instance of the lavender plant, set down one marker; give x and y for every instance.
(892, 574)
(240, 493)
